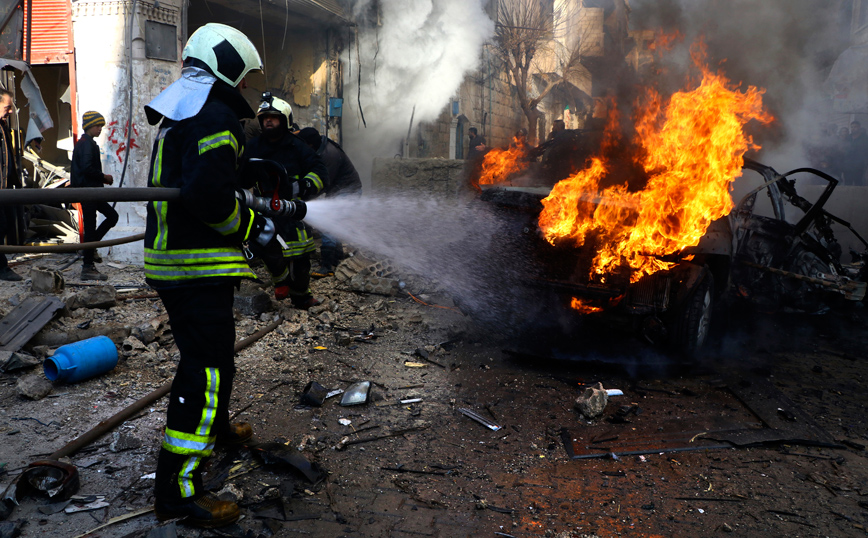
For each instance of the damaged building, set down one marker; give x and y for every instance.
(115, 56)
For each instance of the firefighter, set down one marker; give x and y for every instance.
(306, 176)
(195, 258)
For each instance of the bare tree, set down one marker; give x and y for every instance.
(543, 44)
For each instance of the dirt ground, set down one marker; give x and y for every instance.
(653, 464)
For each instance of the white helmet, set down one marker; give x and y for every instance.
(274, 105)
(224, 51)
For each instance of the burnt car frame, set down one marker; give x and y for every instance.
(766, 260)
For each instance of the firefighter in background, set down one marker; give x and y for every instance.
(343, 180)
(306, 176)
(195, 258)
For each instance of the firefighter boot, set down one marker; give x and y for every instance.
(238, 434)
(9, 275)
(89, 272)
(206, 512)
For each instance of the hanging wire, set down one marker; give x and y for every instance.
(262, 29)
(285, 25)
(129, 130)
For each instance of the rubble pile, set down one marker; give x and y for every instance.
(391, 413)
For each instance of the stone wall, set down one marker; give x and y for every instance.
(485, 101)
(441, 177)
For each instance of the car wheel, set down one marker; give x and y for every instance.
(692, 324)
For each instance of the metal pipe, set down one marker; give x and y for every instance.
(87, 194)
(110, 423)
(69, 247)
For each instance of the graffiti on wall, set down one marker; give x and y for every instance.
(117, 139)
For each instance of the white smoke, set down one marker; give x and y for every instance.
(416, 57)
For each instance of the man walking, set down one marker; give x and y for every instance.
(87, 172)
(194, 257)
(9, 179)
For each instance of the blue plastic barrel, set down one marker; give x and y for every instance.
(82, 360)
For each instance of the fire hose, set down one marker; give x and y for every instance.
(270, 207)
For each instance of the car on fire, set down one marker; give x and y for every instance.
(743, 256)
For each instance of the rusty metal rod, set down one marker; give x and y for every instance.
(69, 247)
(87, 194)
(112, 422)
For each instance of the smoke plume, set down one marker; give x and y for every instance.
(784, 46)
(409, 54)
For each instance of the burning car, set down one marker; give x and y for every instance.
(647, 229)
(743, 255)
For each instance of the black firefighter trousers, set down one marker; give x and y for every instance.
(203, 325)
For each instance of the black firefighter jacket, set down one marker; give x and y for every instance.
(198, 239)
(307, 175)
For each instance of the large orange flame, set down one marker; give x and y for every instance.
(692, 149)
(499, 165)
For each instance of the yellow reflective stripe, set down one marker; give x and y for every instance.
(216, 140)
(157, 176)
(185, 477)
(209, 412)
(249, 226)
(304, 245)
(315, 179)
(194, 256)
(299, 250)
(167, 273)
(282, 276)
(231, 224)
(161, 210)
(188, 443)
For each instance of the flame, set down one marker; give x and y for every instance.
(582, 308)
(665, 42)
(692, 148)
(499, 164)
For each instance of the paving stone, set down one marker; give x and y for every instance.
(34, 386)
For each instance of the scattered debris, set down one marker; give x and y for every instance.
(313, 394)
(25, 320)
(356, 394)
(34, 387)
(280, 454)
(86, 504)
(592, 401)
(46, 280)
(11, 361)
(480, 419)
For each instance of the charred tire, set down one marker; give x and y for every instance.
(691, 324)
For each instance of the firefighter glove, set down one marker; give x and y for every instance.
(266, 234)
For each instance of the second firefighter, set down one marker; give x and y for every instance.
(305, 176)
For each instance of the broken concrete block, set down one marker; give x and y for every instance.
(252, 301)
(93, 297)
(144, 333)
(132, 345)
(10, 360)
(46, 280)
(366, 282)
(124, 441)
(593, 401)
(34, 387)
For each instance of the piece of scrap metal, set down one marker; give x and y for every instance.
(25, 320)
(480, 419)
(784, 421)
